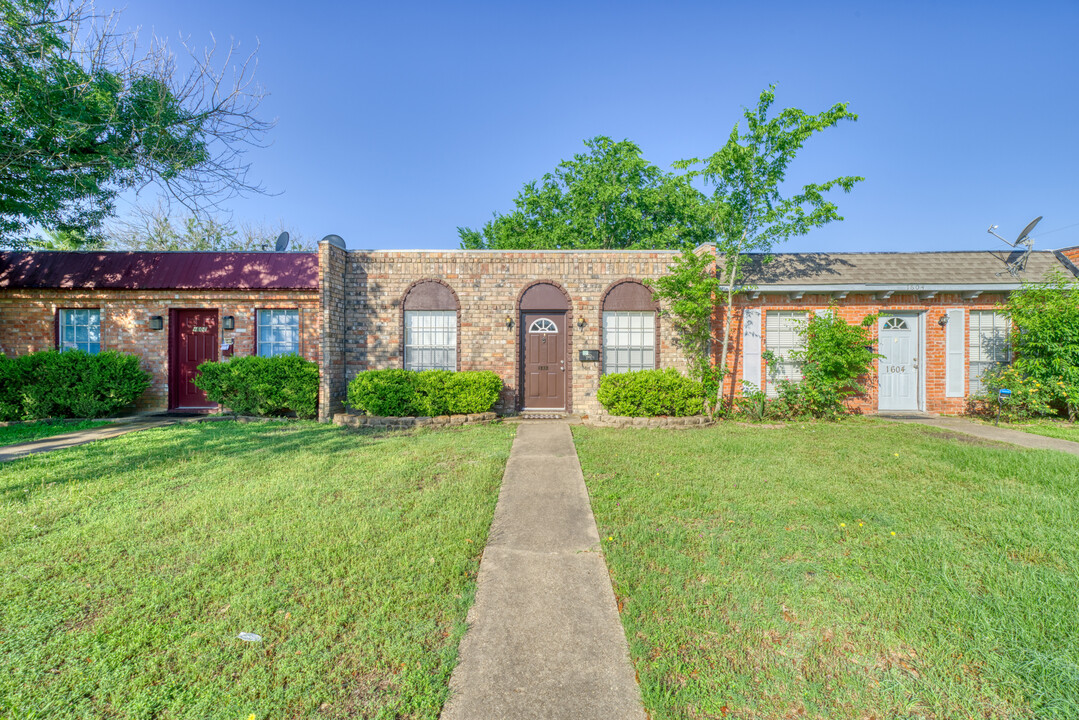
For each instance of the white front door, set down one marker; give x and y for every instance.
(899, 366)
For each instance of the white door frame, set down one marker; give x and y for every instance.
(919, 316)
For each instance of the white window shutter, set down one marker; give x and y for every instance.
(751, 346)
(954, 353)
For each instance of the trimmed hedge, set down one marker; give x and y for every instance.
(430, 393)
(651, 393)
(53, 384)
(266, 386)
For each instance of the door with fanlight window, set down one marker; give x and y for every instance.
(544, 366)
(899, 380)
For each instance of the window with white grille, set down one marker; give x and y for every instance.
(430, 340)
(80, 330)
(989, 345)
(783, 335)
(629, 341)
(278, 332)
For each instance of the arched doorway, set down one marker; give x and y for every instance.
(544, 313)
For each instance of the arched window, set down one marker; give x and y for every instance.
(431, 319)
(629, 328)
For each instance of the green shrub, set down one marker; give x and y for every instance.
(69, 384)
(836, 358)
(11, 382)
(1029, 398)
(384, 392)
(397, 393)
(651, 393)
(266, 386)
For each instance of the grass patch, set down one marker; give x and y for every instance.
(26, 432)
(860, 569)
(129, 566)
(1060, 429)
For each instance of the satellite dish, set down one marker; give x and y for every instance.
(282, 242)
(1027, 230)
(1017, 261)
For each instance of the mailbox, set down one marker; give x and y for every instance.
(588, 355)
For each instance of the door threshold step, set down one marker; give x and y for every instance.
(546, 415)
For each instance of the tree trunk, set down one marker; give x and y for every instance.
(732, 272)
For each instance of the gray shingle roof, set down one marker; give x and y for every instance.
(978, 268)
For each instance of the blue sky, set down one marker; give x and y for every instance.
(397, 122)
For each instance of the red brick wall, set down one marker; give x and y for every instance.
(27, 322)
(488, 285)
(1072, 254)
(852, 309)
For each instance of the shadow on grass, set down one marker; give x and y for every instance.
(161, 446)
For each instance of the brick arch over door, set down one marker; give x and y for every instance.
(628, 295)
(544, 295)
(430, 294)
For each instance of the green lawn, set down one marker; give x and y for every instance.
(129, 566)
(1061, 429)
(25, 432)
(861, 569)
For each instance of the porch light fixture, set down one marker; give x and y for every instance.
(581, 322)
(943, 320)
(156, 322)
(228, 322)
(509, 323)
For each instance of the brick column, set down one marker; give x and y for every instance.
(331, 289)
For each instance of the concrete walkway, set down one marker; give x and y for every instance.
(544, 637)
(81, 437)
(991, 432)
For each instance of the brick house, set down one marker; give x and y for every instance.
(549, 323)
(174, 309)
(939, 326)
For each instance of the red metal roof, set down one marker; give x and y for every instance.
(160, 270)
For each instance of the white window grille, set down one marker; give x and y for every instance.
(80, 330)
(783, 335)
(430, 340)
(629, 341)
(279, 332)
(989, 345)
(543, 325)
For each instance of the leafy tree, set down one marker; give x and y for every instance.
(64, 240)
(156, 230)
(86, 115)
(607, 198)
(1045, 342)
(689, 290)
(747, 208)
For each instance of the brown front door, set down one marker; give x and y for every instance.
(194, 341)
(544, 344)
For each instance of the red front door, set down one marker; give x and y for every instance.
(194, 341)
(544, 364)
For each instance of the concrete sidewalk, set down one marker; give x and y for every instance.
(991, 432)
(81, 437)
(544, 637)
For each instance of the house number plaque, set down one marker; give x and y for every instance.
(200, 328)
(896, 368)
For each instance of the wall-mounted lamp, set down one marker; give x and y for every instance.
(156, 322)
(509, 323)
(943, 320)
(228, 322)
(581, 322)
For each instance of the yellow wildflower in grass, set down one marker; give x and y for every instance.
(896, 454)
(859, 524)
(842, 524)
(893, 532)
